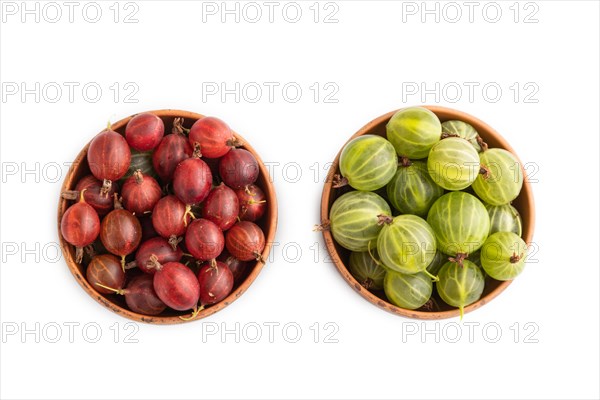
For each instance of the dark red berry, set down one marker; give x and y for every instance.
(221, 207)
(238, 168)
(144, 131)
(216, 282)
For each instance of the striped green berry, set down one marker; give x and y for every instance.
(412, 190)
(463, 130)
(453, 163)
(501, 179)
(407, 291)
(366, 270)
(503, 256)
(406, 244)
(368, 162)
(504, 218)
(354, 219)
(141, 160)
(438, 260)
(475, 258)
(460, 222)
(460, 285)
(413, 131)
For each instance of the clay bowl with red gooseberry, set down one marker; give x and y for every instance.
(138, 289)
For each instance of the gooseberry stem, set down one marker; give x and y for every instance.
(384, 219)
(117, 202)
(178, 127)
(188, 211)
(433, 277)
(153, 263)
(193, 315)
(481, 143)
(460, 257)
(372, 256)
(405, 162)
(515, 258)
(325, 226)
(70, 194)
(447, 135)
(81, 198)
(131, 265)
(139, 178)
(339, 181)
(117, 291)
(257, 202)
(89, 249)
(259, 257)
(234, 142)
(174, 241)
(78, 254)
(483, 170)
(123, 263)
(197, 150)
(106, 185)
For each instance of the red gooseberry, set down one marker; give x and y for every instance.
(140, 193)
(238, 168)
(140, 295)
(237, 267)
(253, 203)
(80, 225)
(102, 204)
(216, 282)
(192, 181)
(245, 241)
(144, 131)
(204, 240)
(105, 270)
(213, 135)
(176, 285)
(108, 157)
(158, 247)
(170, 218)
(120, 232)
(172, 149)
(221, 207)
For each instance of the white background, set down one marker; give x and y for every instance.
(373, 54)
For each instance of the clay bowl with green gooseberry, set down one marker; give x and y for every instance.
(435, 308)
(175, 123)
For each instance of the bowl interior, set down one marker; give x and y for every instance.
(438, 310)
(116, 303)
